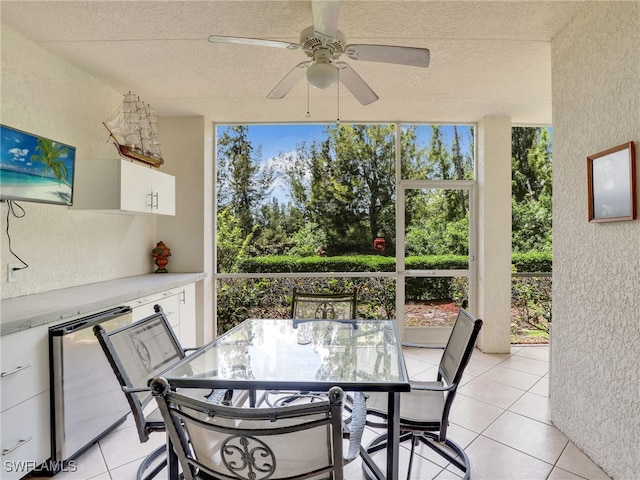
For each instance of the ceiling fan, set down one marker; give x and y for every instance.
(323, 43)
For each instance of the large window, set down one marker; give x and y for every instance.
(318, 207)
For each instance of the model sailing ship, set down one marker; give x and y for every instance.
(134, 131)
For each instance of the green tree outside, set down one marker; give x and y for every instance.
(243, 182)
(532, 189)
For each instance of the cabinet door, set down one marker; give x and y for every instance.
(168, 300)
(25, 437)
(135, 187)
(125, 187)
(188, 316)
(164, 193)
(25, 365)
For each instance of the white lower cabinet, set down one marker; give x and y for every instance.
(168, 300)
(24, 368)
(25, 409)
(178, 305)
(26, 439)
(24, 386)
(188, 316)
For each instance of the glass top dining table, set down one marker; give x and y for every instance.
(306, 355)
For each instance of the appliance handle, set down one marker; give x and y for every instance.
(89, 321)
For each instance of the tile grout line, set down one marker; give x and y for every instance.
(104, 459)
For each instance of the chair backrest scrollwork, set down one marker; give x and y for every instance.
(294, 441)
(324, 305)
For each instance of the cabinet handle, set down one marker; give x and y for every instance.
(21, 442)
(156, 197)
(15, 370)
(183, 296)
(150, 195)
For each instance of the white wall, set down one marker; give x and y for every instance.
(494, 233)
(595, 377)
(43, 95)
(190, 233)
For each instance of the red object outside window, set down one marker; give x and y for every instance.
(379, 244)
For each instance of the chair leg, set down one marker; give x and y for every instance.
(377, 444)
(414, 441)
(148, 461)
(428, 438)
(431, 440)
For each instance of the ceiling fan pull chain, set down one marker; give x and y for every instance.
(338, 101)
(308, 115)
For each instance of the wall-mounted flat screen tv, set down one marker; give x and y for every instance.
(35, 169)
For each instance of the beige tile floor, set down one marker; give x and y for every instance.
(500, 417)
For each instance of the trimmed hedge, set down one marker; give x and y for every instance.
(522, 262)
(436, 262)
(532, 262)
(291, 264)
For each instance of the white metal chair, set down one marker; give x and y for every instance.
(424, 411)
(214, 441)
(137, 352)
(324, 305)
(307, 306)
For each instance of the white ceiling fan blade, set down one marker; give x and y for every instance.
(261, 42)
(325, 18)
(417, 57)
(290, 79)
(355, 84)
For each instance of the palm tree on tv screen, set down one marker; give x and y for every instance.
(49, 154)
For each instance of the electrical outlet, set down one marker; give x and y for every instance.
(12, 272)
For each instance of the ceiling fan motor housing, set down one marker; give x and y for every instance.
(322, 73)
(310, 42)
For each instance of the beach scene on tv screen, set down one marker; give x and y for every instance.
(35, 169)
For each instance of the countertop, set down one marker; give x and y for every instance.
(28, 311)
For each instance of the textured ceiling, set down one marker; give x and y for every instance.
(487, 58)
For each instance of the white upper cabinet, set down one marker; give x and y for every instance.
(123, 186)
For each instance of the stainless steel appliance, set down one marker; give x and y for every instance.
(86, 399)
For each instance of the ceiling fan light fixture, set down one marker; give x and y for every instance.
(322, 74)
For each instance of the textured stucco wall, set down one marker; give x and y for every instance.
(595, 380)
(189, 233)
(44, 95)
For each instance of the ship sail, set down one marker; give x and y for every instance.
(134, 130)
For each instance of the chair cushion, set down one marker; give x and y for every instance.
(416, 407)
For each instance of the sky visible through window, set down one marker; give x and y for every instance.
(284, 138)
